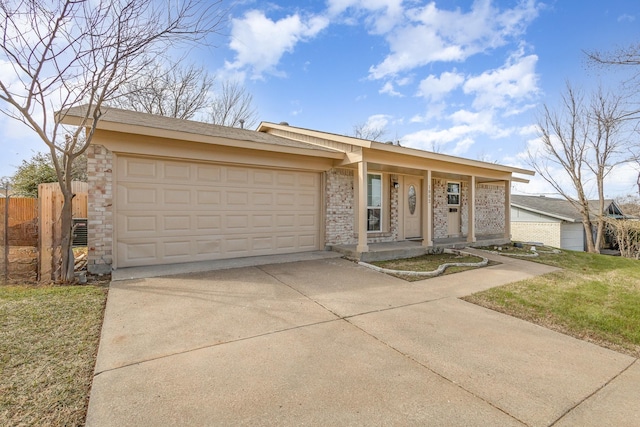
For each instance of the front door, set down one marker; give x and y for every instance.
(412, 211)
(453, 203)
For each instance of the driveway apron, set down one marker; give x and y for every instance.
(329, 342)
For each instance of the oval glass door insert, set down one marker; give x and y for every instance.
(412, 199)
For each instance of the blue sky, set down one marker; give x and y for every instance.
(459, 77)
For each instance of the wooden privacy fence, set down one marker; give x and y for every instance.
(50, 202)
(18, 239)
(30, 247)
(22, 221)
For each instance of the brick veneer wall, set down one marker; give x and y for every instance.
(544, 232)
(100, 209)
(490, 215)
(341, 210)
(440, 209)
(340, 207)
(489, 208)
(464, 208)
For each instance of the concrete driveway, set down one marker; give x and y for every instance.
(328, 342)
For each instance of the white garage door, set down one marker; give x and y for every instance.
(572, 236)
(175, 211)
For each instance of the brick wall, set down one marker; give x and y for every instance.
(544, 232)
(440, 209)
(100, 209)
(490, 215)
(340, 209)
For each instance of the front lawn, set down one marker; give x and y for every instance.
(48, 341)
(595, 298)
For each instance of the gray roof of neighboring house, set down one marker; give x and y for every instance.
(134, 118)
(557, 208)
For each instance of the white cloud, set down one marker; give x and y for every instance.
(528, 130)
(622, 181)
(435, 88)
(428, 34)
(389, 89)
(260, 42)
(381, 15)
(465, 129)
(515, 81)
(436, 139)
(625, 17)
(462, 146)
(377, 121)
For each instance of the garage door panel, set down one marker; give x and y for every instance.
(308, 241)
(140, 169)
(240, 222)
(208, 197)
(177, 223)
(139, 252)
(263, 178)
(177, 171)
(173, 211)
(206, 174)
(208, 223)
(173, 196)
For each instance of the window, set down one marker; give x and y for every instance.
(374, 202)
(412, 199)
(453, 193)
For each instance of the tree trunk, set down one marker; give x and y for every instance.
(66, 252)
(588, 232)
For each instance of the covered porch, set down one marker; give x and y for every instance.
(412, 248)
(425, 200)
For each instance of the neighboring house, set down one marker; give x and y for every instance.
(554, 222)
(164, 190)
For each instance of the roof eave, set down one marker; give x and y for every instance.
(449, 158)
(265, 126)
(545, 213)
(374, 145)
(109, 125)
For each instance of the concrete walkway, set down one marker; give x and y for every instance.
(328, 342)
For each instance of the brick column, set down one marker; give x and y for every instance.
(100, 209)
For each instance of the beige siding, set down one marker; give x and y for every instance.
(175, 211)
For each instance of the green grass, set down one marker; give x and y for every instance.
(595, 297)
(48, 342)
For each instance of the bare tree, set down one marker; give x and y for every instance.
(627, 58)
(368, 132)
(581, 141)
(75, 53)
(180, 92)
(233, 106)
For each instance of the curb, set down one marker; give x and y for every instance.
(438, 271)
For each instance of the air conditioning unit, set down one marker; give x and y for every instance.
(79, 232)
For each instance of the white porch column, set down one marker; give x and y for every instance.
(427, 211)
(471, 216)
(362, 207)
(507, 210)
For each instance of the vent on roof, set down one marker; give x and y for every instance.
(284, 123)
